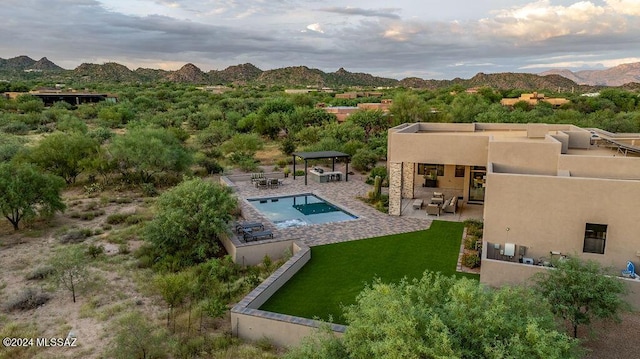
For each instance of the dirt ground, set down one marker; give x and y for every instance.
(112, 289)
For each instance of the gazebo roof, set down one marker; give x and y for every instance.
(321, 154)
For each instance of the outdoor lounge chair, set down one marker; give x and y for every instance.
(433, 208)
(254, 236)
(248, 226)
(630, 272)
(273, 182)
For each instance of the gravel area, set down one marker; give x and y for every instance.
(611, 340)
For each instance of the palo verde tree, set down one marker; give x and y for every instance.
(25, 192)
(70, 268)
(142, 153)
(64, 154)
(580, 291)
(190, 219)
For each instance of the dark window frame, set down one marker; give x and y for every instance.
(426, 168)
(460, 170)
(595, 238)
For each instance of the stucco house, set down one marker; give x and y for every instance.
(546, 190)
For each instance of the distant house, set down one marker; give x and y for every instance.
(343, 112)
(51, 96)
(533, 99)
(352, 95)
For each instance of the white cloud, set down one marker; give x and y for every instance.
(628, 7)
(315, 27)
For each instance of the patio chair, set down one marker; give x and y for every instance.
(262, 183)
(273, 182)
(630, 272)
(248, 226)
(433, 208)
(254, 236)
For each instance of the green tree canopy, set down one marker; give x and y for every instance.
(443, 317)
(190, 220)
(143, 152)
(580, 291)
(64, 154)
(25, 192)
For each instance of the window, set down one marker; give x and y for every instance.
(426, 168)
(595, 236)
(459, 171)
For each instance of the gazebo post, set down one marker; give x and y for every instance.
(305, 172)
(294, 166)
(333, 164)
(346, 177)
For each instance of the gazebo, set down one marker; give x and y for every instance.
(334, 155)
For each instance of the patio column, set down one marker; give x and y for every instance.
(395, 188)
(408, 180)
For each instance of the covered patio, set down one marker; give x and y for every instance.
(321, 175)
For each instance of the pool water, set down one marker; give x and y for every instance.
(299, 210)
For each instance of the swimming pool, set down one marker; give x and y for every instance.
(299, 210)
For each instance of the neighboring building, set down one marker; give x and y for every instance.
(343, 112)
(533, 99)
(51, 96)
(352, 95)
(217, 89)
(547, 190)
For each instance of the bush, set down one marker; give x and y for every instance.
(16, 128)
(29, 298)
(470, 242)
(42, 272)
(471, 259)
(95, 251)
(377, 171)
(299, 173)
(75, 235)
(117, 218)
(149, 190)
(364, 160)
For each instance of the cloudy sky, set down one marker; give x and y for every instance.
(431, 39)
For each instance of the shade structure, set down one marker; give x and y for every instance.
(317, 155)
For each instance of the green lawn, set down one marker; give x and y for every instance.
(336, 273)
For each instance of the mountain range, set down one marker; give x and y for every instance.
(22, 67)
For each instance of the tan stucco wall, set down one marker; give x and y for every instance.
(437, 148)
(252, 254)
(546, 213)
(279, 333)
(598, 166)
(496, 273)
(540, 157)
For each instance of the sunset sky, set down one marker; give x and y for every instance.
(427, 38)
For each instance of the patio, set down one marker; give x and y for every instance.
(463, 212)
(370, 222)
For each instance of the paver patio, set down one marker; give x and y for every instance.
(370, 222)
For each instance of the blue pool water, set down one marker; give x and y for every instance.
(299, 210)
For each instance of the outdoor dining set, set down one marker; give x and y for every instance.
(260, 181)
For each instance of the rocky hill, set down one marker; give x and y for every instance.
(615, 76)
(299, 76)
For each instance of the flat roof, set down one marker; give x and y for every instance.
(320, 154)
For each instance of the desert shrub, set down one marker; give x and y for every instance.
(122, 200)
(123, 248)
(93, 188)
(16, 128)
(299, 173)
(134, 219)
(117, 218)
(470, 242)
(364, 159)
(282, 163)
(75, 235)
(149, 190)
(90, 215)
(95, 250)
(471, 259)
(41, 272)
(28, 298)
(377, 171)
(474, 231)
